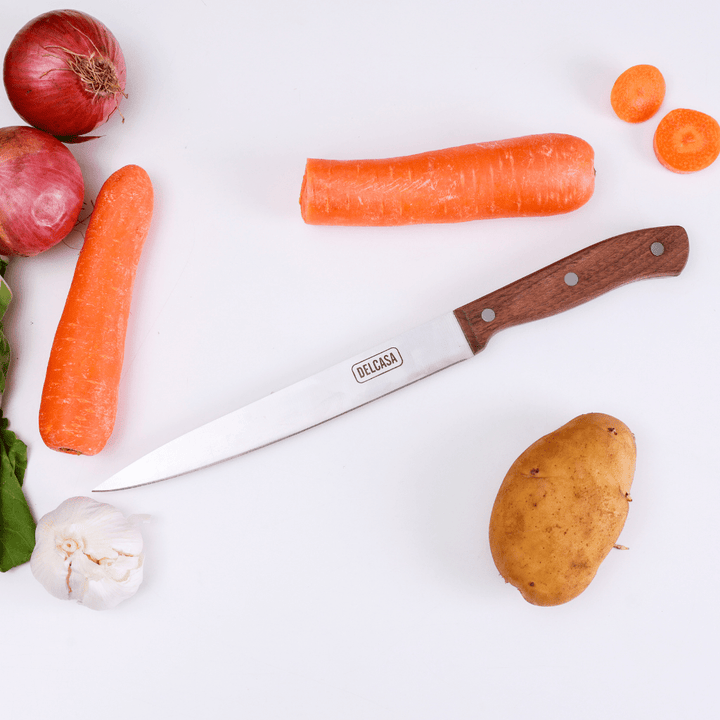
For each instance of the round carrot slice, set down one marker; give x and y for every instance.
(687, 140)
(638, 93)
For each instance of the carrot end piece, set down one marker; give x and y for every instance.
(638, 93)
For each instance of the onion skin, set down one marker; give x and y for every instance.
(42, 87)
(41, 191)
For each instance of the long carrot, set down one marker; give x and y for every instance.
(528, 176)
(638, 93)
(79, 398)
(686, 141)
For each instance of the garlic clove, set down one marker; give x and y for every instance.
(50, 568)
(101, 589)
(89, 552)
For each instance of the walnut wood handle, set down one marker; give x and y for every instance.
(653, 252)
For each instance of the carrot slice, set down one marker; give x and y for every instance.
(686, 141)
(638, 93)
(79, 398)
(534, 175)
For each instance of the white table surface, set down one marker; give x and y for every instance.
(345, 573)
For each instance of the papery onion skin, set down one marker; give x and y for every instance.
(41, 191)
(43, 88)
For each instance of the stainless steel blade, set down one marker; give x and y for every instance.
(405, 359)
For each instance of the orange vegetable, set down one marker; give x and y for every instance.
(527, 176)
(79, 398)
(638, 93)
(687, 140)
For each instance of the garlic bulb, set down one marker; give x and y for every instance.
(87, 551)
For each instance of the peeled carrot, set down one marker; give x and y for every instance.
(638, 93)
(79, 397)
(686, 141)
(528, 176)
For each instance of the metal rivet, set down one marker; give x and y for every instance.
(571, 279)
(657, 249)
(488, 314)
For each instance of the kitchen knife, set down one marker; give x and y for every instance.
(422, 351)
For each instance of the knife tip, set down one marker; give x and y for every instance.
(102, 488)
(111, 484)
(116, 483)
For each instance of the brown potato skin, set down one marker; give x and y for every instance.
(561, 508)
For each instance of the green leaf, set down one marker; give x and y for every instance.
(17, 526)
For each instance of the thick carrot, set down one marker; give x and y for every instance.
(79, 397)
(527, 176)
(638, 93)
(686, 141)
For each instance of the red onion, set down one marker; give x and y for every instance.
(41, 191)
(64, 73)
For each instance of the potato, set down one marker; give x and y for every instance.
(561, 507)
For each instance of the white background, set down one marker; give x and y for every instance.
(345, 573)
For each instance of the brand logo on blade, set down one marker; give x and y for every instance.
(377, 365)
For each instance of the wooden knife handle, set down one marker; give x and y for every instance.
(653, 252)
